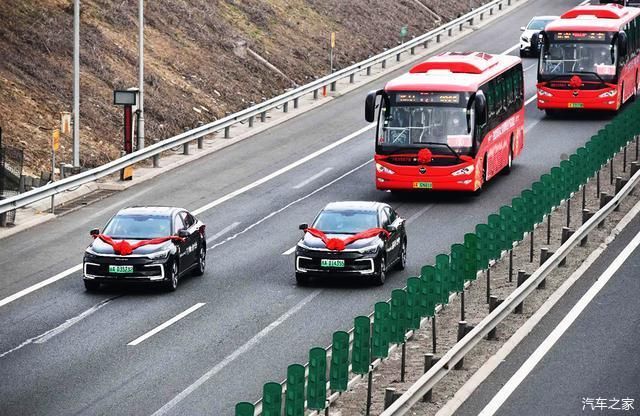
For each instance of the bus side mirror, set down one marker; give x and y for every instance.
(480, 105)
(623, 43)
(303, 226)
(370, 106)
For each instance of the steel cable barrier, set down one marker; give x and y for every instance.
(360, 350)
(258, 110)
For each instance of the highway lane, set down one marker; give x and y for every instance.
(244, 292)
(594, 358)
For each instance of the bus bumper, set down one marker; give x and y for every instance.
(584, 100)
(413, 183)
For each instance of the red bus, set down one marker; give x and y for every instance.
(589, 59)
(452, 123)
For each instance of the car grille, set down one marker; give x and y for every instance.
(350, 265)
(102, 270)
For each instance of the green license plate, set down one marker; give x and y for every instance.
(576, 105)
(422, 185)
(120, 269)
(331, 263)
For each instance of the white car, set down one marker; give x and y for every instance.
(529, 44)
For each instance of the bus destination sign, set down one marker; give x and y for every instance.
(427, 98)
(581, 36)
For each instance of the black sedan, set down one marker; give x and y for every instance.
(356, 238)
(146, 244)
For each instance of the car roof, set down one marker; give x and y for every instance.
(354, 205)
(162, 211)
(544, 18)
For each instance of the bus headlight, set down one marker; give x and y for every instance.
(611, 93)
(464, 171)
(544, 93)
(384, 169)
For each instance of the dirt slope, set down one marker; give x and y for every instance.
(192, 74)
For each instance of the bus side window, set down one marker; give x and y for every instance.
(491, 103)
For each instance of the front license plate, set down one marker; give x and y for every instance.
(576, 105)
(422, 185)
(331, 263)
(120, 269)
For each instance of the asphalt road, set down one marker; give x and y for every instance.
(64, 351)
(592, 366)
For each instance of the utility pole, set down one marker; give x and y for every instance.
(141, 74)
(76, 83)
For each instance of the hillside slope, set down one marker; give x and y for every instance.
(192, 74)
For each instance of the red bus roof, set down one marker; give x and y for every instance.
(602, 18)
(453, 71)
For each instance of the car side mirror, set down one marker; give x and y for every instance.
(183, 233)
(303, 226)
(94, 233)
(392, 228)
(522, 28)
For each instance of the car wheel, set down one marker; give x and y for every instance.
(302, 279)
(402, 257)
(382, 274)
(91, 285)
(172, 284)
(522, 54)
(202, 261)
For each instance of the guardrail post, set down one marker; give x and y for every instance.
(413, 50)
(471, 21)
(508, 2)
(429, 361)
(566, 233)
(620, 183)
(605, 198)
(390, 396)
(156, 161)
(251, 121)
(635, 166)
(461, 26)
(368, 70)
(384, 63)
(491, 11)
(295, 102)
(333, 86)
(263, 116)
(285, 107)
(425, 44)
(586, 215)
(398, 57)
(500, 6)
(438, 38)
(522, 277)
(493, 303)
(481, 16)
(185, 148)
(450, 32)
(200, 142)
(352, 78)
(544, 256)
(462, 331)
(227, 131)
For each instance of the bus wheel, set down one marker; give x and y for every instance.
(507, 169)
(550, 112)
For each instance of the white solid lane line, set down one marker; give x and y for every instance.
(506, 391)
(166, 324)
(511, 49)
(231, 357)
(222, 232)
(42, 338)
(37, 286)
(312, 178)
(530, 100)
(529, 67)
(282, 170)
(289, 251)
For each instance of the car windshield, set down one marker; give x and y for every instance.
(138, 227)
(538, 24)
(346, 221)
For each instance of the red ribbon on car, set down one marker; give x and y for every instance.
(123, 248)
(338, 244)
(575, 82)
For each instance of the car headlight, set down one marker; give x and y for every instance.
(544, 93)
(383, 169)
(160, 255)
(611, 93)
(369, 250)
(463, 171)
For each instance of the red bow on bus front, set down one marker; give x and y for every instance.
(575, 82)
(338, 244)
(424, 156)
(123, 248)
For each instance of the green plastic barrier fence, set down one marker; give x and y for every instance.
(317, 379)
(414, 291)
(294, 396)
(519, 212)
(361, 352)
(271, 399)
(245, 409)
(457, 267)
(482, 247)
(494, 230)
(470, 256)
(398, 315)
(428, 277)
(442, 277)
(339, 370)
(381, 330)
(507, 227)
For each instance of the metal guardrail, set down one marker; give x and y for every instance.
(249, 113)
(425, 383)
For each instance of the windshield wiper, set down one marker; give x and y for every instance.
(578, 73)
(453, 152)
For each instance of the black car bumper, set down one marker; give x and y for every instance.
(143, 270)
(310, 263)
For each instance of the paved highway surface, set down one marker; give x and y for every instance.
(592, 366)
(64, 351)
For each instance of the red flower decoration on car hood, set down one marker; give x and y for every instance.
(124, 248)
(338, 244)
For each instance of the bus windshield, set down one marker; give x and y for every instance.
(435, 120)
(569, 53)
